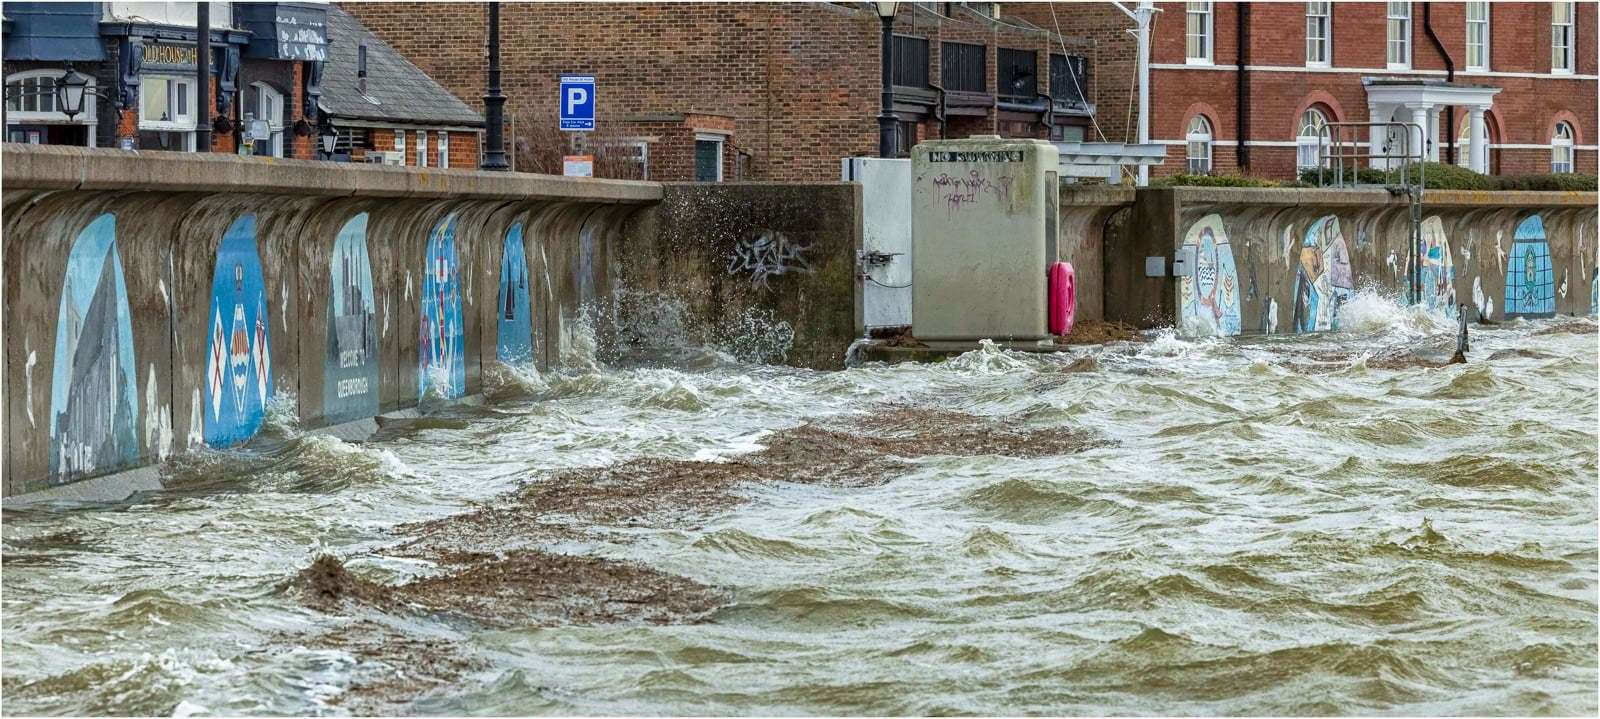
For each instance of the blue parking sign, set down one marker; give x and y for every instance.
(577, 102)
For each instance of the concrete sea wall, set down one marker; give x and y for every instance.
(158, 302)
(764, 271)
(1288, 260)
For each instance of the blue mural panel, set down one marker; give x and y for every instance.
(1438, 269)
(441, 356)
(1208, 300)
(94, 410)
(350, 390)
(1324, 281)
(1530, 281)
(514, 345)
(239, 353)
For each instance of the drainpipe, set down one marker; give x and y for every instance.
(1242, 87)
(1449, 76)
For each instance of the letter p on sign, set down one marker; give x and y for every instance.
(577, 102)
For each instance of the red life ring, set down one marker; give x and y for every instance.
(1063, 307)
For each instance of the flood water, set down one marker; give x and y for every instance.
(1287, 525)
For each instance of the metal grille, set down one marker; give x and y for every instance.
(961, 67)
(1019, 73)
(1069, 79)
(910, 61)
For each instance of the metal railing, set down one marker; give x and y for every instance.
(1346, 148)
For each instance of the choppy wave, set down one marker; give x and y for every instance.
(1277, 525)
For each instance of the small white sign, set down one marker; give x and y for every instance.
(578, 165)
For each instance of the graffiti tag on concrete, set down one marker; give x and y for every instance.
(767, 255)
(958, 191)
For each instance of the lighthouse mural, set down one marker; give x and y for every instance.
(1530, 282)
(94, 407)
(239, 353)
(514, 344)
(441, 354)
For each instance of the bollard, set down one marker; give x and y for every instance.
(1460, 356)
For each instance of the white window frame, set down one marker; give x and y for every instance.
(722, 143)
(422, 148)
(1307, 138)
(53, 117)
(269, 99)
(1319, 13)
(1464, 142)
(181, 122)
(1561, 150)
(444, 150)
(1483, 44)
(1563, 38)
(1206, 14)
(400, 144)
(1397, 33)
(1201, 136)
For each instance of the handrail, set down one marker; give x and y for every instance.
(1333, 150)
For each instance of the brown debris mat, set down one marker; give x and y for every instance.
(1570, 327)
(494, 573)
(851, 452)
(523, 587)
(1094, 333)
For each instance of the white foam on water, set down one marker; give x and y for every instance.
(1372, 310)
(283, 413)
(988, 358)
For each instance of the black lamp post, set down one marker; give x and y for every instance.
(494, 155)
(887, 124)
(202, 73)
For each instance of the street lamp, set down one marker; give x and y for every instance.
(71, 90)
(330, 139)
(887, 124)
(494, 156)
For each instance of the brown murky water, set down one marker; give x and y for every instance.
(1299, 525)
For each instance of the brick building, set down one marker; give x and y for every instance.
(283, 75)
(140, 57)
(763, 91)
(384, 109)
(1240, 87)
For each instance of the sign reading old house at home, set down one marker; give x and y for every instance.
(169, 56)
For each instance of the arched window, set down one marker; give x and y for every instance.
(1464, 142)
(1199, 145)
(264, 103)
(33, 112)
(1308, 137)
(1561, 148)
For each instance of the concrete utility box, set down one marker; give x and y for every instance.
(983, 232)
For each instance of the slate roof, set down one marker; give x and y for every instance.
(399, 91)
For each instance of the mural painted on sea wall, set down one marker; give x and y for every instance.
(1530, 281)
(350, 380)
(1438, 269)
(238, 351)
(1324, 281)
(514, 343)
(441, 355)
(1208, 299)
(94, 409)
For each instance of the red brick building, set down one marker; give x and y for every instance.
(1239, 87)
(762, 91)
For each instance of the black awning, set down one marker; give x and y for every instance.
(284, 30)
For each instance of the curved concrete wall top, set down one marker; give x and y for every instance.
(157, 301)
(1272, 260)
